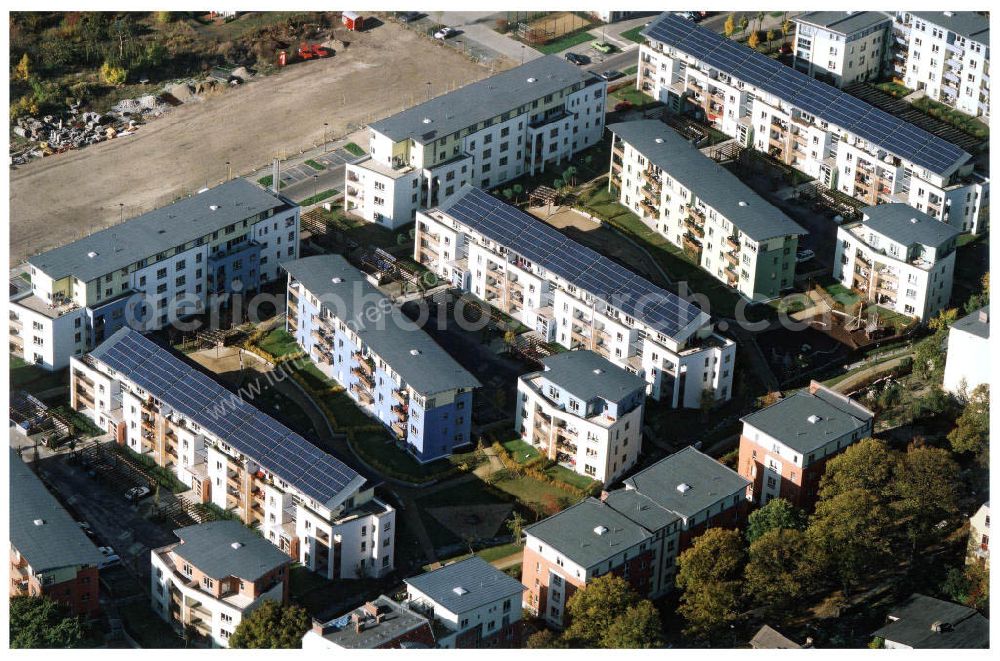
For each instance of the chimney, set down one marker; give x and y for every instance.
(984, 316)
(814, 386)
(370, 609)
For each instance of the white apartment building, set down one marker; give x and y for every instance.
(584, 412)
(167, 264)
(968, 361)
(947, 55)
(845, 143)
(842, 47)
(899, 259)
(484, 134)
(699, 206)
(309, 504)
(215, 575)
(576, 297)
(475, 604)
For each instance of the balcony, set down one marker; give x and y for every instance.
(363, 395)
(649, 208)
(652, 179)
(732, 259)
(732, 243)
(400, 410)
(363, 378)
(691, 243)
(399, 428)
(401, 396)
(694, 227)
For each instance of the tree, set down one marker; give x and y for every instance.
(926, 492)
(155, 55)
(770, 37)
(729, 27)
(593, 609)
(969, 585)
(778, 570)
(928, 358)
(866, 466)
(943, 320)
(972, 429)
(40, 622)
(639, 627)
(518, 190)
(508, 193)
(515, 524)
(744, 22)
(778, 514)
(164, 17)
(847, 535)
(112, 75)
(271, 626)
(544, 639)
(786, 28)
(710, 577)
(22, 72)
(753, 40)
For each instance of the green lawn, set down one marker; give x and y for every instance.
(639, 99)
(82, 425)
(894, 89)
(842, 294)
(354, 149)
(535, 493)
(470, 493)
(569, 477)
(267, 180)
(34, 379)
(279, 342)
(565, 42)
(628, 71)
(149, 629)
(498, 552)
(520, 451)
(633, 34)
(318, 197)
(959, 120)
(315, 165)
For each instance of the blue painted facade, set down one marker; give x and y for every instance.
(104, 319)
(426, 433)
(239, 262)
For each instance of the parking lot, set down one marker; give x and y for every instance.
(303, 173)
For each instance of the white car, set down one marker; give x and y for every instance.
(110, 557)
(444, 33)
(137, 493)
(804, 256)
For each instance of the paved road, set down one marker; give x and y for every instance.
(302, 181)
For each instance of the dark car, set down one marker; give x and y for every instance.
(623, 105)
(577, 59)
(612, 74)
(408, 16)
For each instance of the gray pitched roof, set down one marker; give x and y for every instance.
(573, 532)
(901, 222)
(767, 638)
(805, 422)
(712, 183)
(483, 100)
(396, 621)
(964, 628)
(385, 329)
(209, 547)
(57, 541)
(588, 375)
(844, 22)
(465, 585)
(977, 323)
(157, 231)
(707, 482)
(969, 24)
(641, 508)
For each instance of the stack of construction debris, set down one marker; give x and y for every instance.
(144, 106)
(58, 134)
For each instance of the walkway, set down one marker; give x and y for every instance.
(849, 384)
(510, 561)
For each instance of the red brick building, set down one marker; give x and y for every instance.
(49, 554)
(784, 447)
(636, 532)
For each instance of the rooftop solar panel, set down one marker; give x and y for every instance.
(814, 97)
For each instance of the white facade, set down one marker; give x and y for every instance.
(843, 47)
(949, 66)
(968, 363)
(677, 369)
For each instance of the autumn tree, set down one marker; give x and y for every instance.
(972, 429)
(744, 22)
(271, 626)
(609, 614)
(866, 466)
(710, 577)
(770, 37)
(544, 639)
(40, 622)
(777, 514)
(926, 492)
(847, 536)
(729, 27)
(753, 40)
(778, 570)
(639, 627)
(112, 75)
(22, 72)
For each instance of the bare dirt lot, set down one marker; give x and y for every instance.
(63, 197)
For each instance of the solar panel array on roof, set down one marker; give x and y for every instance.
(250, 431)
(545, 246)
(810, 95)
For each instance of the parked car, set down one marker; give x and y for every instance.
(110, 557)
(804, 256)
(85, 527)
(623, 105)
(408, 16)
(687, 15)
(445, 33)
(785, 49)
(602, 46)
(577, 59)
(612, 74)
(137, 493)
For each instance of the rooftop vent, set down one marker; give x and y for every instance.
(940, 627)
(813, 419)
(914, 220)
(427, 120)
(949, 13)
(598, 371)
(683, 487)
(414, 352)
(658, 141)
(531, 80)
(336, 281)
(92, 254)
(600, 530)
(742, 203)
(39, 522)
(213, 207)
(237, 546)
(460, 591)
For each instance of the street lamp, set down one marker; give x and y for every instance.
(229, 171)
(121, 208)
(315, 186)
(325, 126)
(428, 90)
(522, 53)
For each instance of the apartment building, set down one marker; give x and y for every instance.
(898, 258)
(701, 207)
(217, 574)
(784, 448)
(513, 123)
(576, 297)
(50, 556)
(584, 412)
(388, 365)
(945, 54)
(474, 604)
(846, 144)
(379, 624)
(167, 264)
(635, 532)
(968, 361)
(309, 504)
(979, 536)
(842, 47)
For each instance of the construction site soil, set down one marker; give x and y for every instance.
(60, 198)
